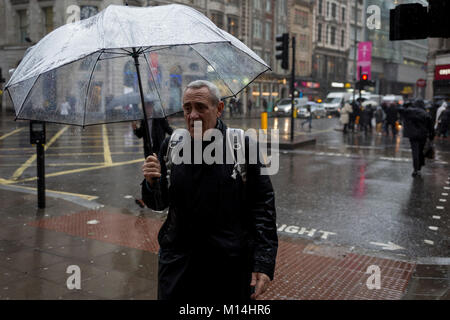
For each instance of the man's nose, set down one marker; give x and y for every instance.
(194, 115)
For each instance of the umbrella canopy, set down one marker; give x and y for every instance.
(369, 103)
(72, 74)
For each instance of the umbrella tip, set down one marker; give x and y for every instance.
(126, 3)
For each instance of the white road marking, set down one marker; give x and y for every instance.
(442, 200)
(388, 246)
(433, 228)
(445, 194)
(93, 222)
(447, 188)
(440, 208)
(428, 242)
(436, 217)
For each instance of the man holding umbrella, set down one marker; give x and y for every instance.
(220, 238)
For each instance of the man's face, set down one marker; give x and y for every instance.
(198, 106)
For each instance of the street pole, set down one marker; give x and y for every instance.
(292, 89)
(355, 50)
(360, 72)
(41, 174)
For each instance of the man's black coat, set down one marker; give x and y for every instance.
(418, 124)
(217, 232)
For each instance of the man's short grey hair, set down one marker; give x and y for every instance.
(213, 90)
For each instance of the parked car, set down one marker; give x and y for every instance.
(283, 107)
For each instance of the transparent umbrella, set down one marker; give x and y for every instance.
(74, 73)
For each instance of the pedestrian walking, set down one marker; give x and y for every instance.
(391, 111)
(220, 237)
(249, 106)
(418, 128)
(353, 116)
(444, 123)
(346, 113)
(438, 115)
(380, 116)
(308, 118)
(158, 128)
(365, 119)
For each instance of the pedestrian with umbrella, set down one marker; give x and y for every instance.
(89, 58)
(418, 128)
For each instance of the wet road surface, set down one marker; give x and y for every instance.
(352, 190)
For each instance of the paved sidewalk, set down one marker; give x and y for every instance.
(116, 252)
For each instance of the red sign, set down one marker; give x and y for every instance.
(442, 72)
(365, 58)
(421, 83)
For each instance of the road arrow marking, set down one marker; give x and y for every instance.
(388, 246)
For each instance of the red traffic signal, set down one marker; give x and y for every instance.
(364, 77)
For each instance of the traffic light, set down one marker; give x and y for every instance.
(364, 82)
(283, 50)
(409, 21)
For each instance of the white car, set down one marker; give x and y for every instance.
(283, 107)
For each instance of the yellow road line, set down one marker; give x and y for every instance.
(69, 154)
(83, 196)
(28, 163)
(55, 174)
(106, 151)
(4, 181)
(12, 132)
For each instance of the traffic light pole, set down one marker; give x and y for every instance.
(360, 77)
(354, 53)
(292, 89)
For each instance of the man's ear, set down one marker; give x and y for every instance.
(220, 107)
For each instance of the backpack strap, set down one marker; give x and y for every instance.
(235, 140)
(175, 139)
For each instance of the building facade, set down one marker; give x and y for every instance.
(396, 65)
(438, 68)
(331, 43)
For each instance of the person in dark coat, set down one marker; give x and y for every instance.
(355, 113)
(391, 111)
(418, 127)
(159, 127)
(444, 122)
(220, 237)
(366, 118)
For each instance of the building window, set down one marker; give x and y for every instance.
(303, 39)
(320, 7)
(268, 30)
(327, 35)
(342, 38)
(301, 18)
(319, 32)
(257, 4)
(88, 11)
(333, 10)
(48, 19)
(257, 29)
(268, 5)
(233, 26)
(217, 19)
(328, 8)
(23, 25)
(333, 35)
(343, 14)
